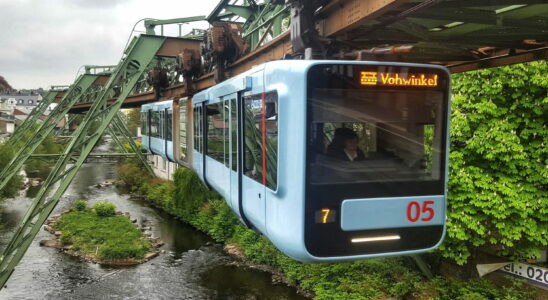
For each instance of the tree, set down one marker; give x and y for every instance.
(12, 187)
(133, 120)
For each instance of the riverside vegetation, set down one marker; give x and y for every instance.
(100, 234)
(497, 198)
(388, 278)
(36, 167)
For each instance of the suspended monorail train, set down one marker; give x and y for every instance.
(330, 160)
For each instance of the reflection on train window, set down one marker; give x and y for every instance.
(398, 132)
(225, 105)
(217, 128)
(261, 137)
(169, 121)
(198, 130)
(182, 130)
(234, 133)
(144, 123)
(154, 123)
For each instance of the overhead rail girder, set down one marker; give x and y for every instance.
(357, 28)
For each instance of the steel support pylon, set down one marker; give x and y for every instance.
(137, 57)
(118, 126)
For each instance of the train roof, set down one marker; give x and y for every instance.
(244, 81)
(157, 105)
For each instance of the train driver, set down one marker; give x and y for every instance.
(345, 145)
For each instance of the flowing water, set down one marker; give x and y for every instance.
(191, 266)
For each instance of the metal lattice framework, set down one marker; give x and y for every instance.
(84, 139)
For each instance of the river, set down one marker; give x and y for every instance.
(191, 265)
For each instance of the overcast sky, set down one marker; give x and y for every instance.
(44, 42)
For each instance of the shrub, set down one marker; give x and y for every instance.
(498, 174)
(16, 182)
(132, 176)
(104, 209)
(80, 205)
(113, 237)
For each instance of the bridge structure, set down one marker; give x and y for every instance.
(461, 35)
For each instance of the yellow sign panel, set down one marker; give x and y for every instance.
(368, 78)
(379, 78)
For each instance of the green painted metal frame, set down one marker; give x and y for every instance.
(118, 127)
(133, 64)
(151, 24)
(91, 155)
(260, 19)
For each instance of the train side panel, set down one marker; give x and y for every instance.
(284, 207)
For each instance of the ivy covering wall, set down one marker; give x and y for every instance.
(498, 175)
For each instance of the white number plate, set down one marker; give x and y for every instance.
(535, 275)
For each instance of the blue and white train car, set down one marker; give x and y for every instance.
(330, 160)
(157, 128)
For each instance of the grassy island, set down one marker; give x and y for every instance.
(100, 233)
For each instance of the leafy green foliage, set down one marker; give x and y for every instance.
(133, 120)
(41, 167)
(16, 182)
(104, 209)
(112, 237)
(498, 174)
(81, 205)
(132, 176)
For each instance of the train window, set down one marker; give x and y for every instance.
(216, 131)
(144, 123)
(373, 131)
(226, 131)
(169, 125)
(154, 123)
(201, 128)
(261, 137)
(234, 133)
(198, 129)
(182, 129)
(162, 125)
(380, 134)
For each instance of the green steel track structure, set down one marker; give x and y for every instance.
(136, 58)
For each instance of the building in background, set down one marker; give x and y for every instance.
(7, 123)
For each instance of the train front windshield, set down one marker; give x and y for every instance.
(373, 132)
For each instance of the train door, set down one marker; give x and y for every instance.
(217, 171)
(198, 133)
(232, 104)
(253, 182)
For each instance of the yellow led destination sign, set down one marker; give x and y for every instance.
(379, 78)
